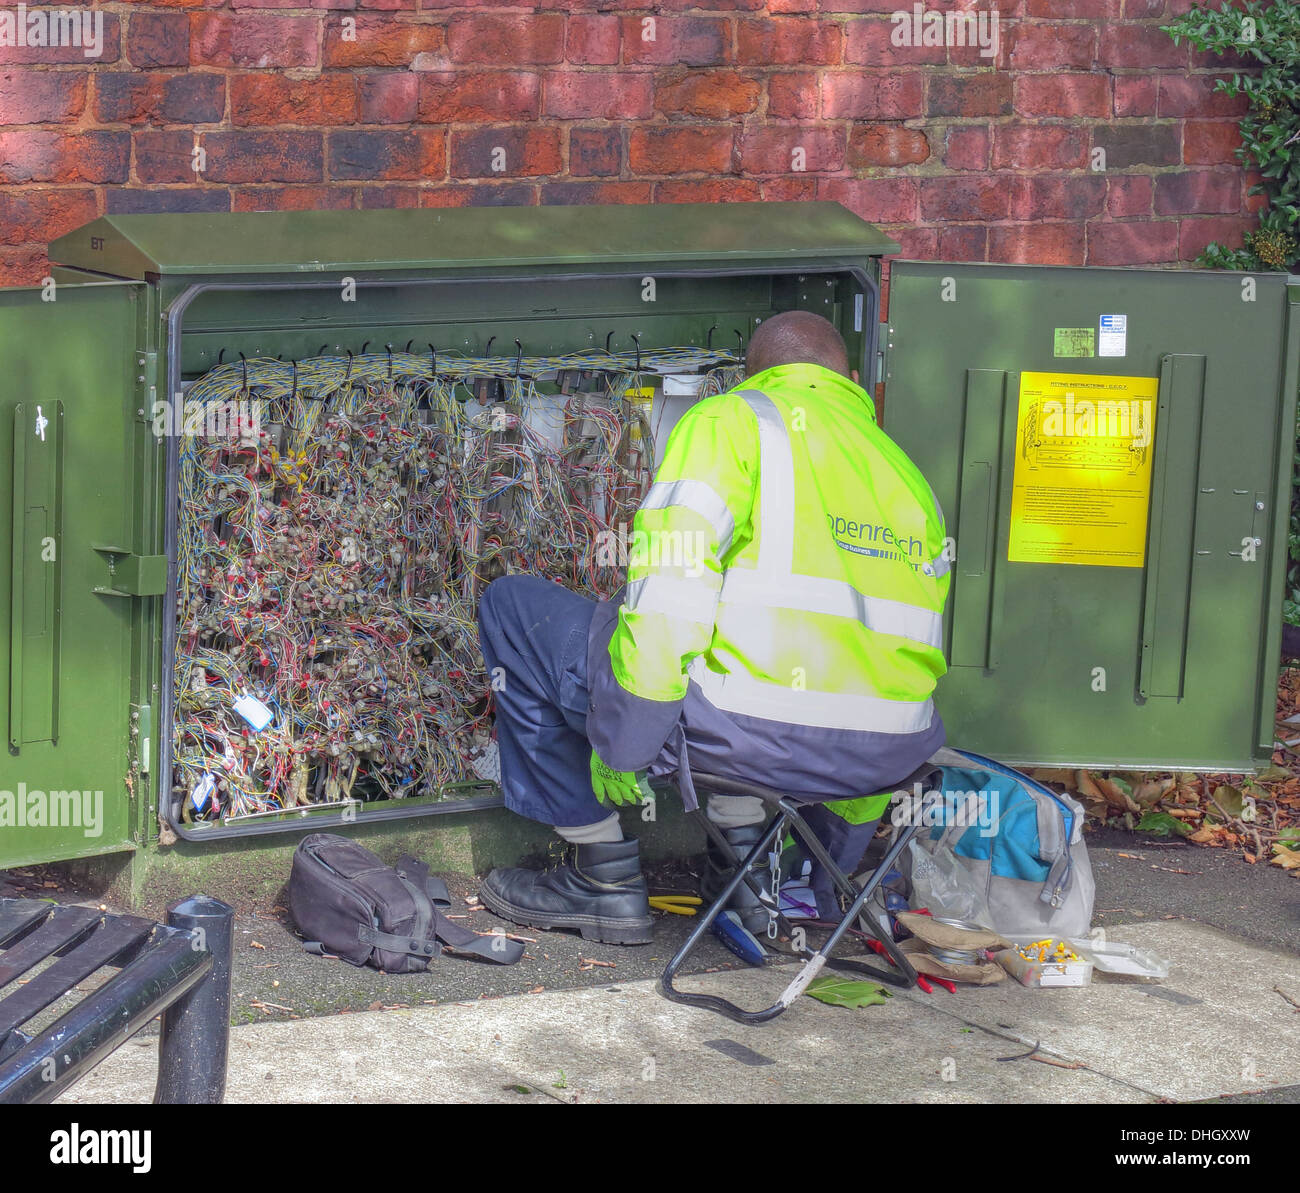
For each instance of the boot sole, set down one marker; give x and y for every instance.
(601, 929)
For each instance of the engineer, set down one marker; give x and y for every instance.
(781, 624)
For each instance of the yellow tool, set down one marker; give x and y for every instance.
(676, 904)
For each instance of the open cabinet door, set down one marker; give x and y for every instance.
(66, 410)
(1113, 449)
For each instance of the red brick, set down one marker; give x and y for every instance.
(1196, 192)
(962, 242)
(1135, 95)
(1140, 47)
(712, 94)
(529, 152)
(859, 6)
(582, 194)
(1210, 142)
(319, 4)
(708, 190)
(1182, 95)
(680, 150)
(462, 97)
(879, 200)
(965, 199)
(385, 97)
(1037, 244)
(1063, 95)
(292, 198)
(24, 266)
(677, 41)
(1052, 47)
(268, 98)
(252, 40)
(798, 188)
(502, 194)
(870, 43)
(391, 196)
(1138, 242)
(1057, 197)
(28, 216)
(1145, 144)
(772, 149)
(264, 156)
(609, 95)
(592, 40)
(41, 96)
(887, 145)
(166, 157)
(595, 151)
(35, 155)
(966, 147)
(194, 97)
(1129, 194)
(515, 40)
(915, 244)
(783, 6)
(386, 155)
(383, 41)
(72, 55)
(793, 95)
(1064, 10)
(711, 5)
(789, 41)
(1196, 233)
(879, 96)
(985, 94)
(1039, 147)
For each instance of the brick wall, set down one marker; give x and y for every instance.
(449, 102)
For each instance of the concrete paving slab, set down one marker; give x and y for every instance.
(624, 1044)
(1215, 1027)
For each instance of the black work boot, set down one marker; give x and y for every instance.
(752, 912)
(597, 889)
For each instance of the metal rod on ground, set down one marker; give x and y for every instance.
(195, 1036)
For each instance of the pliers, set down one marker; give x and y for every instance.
(676, 904)
(921, 980)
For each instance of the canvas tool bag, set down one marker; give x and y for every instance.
(348, 904)
(1025, 874)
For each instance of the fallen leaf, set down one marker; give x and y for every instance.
(1152, 791)
(1162, 824)
(1229, 799)
(1288, 859)
(843, 992)
(1250, 857)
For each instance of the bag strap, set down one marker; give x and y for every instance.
(495, 947)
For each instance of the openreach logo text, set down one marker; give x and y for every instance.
(924, 27)
(86, 1146)
(30, 808)
(955, 808)
(53, 28)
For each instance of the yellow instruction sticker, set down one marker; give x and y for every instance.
(1082, 480)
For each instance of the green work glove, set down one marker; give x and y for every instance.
(618, 787)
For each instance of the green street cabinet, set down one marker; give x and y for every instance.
(1112, 448)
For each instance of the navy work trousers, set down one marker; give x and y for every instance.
(534, 638)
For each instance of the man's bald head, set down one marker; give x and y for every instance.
(797, 338)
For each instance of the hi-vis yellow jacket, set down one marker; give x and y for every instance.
(790, 561)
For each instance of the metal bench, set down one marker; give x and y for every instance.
(180, 970)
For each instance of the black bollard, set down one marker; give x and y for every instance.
(196, 1028)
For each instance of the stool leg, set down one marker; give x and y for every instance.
(906, 975)
(710, 1001)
